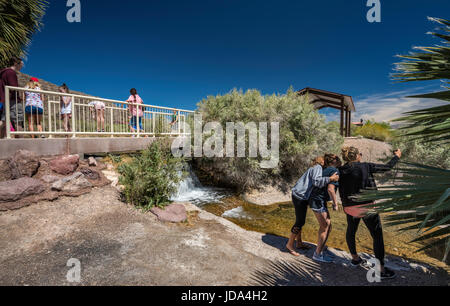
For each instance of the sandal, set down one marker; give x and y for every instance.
(292, 252)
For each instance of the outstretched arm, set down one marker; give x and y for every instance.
(377, 168)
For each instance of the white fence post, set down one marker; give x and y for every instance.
(7, 113)
(73, 118)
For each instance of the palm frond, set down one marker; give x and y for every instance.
(19, 20)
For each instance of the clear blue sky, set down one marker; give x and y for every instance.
(178, 52)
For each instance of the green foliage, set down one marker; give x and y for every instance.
(19, 20)
(432, 63)
(304, 134)
(420, 152)
(422, 199)
(375, 130)
(152, 177)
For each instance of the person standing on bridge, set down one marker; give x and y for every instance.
(8, 77)
(66, 107)
(34, 106)
(135, 111)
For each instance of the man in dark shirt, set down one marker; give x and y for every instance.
(355, 177)
(8, 77)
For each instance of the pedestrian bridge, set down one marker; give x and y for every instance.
(89, 130)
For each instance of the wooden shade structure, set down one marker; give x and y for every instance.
(322, 99)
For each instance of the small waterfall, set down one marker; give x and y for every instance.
(191, 190)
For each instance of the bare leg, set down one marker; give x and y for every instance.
(290, 244)
(39, 123)
(30, 123)
(2, 129)
(97, 114)
(324, 226)
(102, 119)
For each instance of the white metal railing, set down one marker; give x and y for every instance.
(85, 120)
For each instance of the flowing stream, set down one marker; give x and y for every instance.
(277, 219)
(191, 190)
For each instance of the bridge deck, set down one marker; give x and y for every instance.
(60, 146)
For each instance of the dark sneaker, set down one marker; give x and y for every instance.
(360, 263)
(387, 274)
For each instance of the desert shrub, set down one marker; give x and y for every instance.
(152, 177)
(304, 134)
(375, 130)
(433, 154)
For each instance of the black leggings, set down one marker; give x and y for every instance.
(301, 207)
(373, 224)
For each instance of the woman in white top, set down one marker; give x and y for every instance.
(34, 107)
(66, 107)
(99, 108)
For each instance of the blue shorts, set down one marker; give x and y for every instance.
(133, 123)
(318, 205)
(33, 110)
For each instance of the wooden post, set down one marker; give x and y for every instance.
(349, 134)
(342, 117)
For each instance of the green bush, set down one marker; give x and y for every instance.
(304, 134)
(152, 177)
(433, 154)
(375, 130)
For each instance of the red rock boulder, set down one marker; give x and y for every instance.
(23, 164)
(19, 189)
(65, 165)
(174, 213)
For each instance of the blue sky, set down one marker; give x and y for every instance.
(179, 52)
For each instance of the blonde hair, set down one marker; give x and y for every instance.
(33, 85)
(350, 154)
(318, 161)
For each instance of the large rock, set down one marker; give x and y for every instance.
(174, 213)
(73, 183)
(90, 174)
(92, 162)
(65, 165)
(49, 179)
(23, 163)
(19, 189)
(5, 171)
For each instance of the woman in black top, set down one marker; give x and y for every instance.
(356, 176)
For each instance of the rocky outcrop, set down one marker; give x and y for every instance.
(5, 171)
(174, 213)
(23, 164)
(90, 174)
(19, 189)
(92, 162)
(73, 183)
(65, 165)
